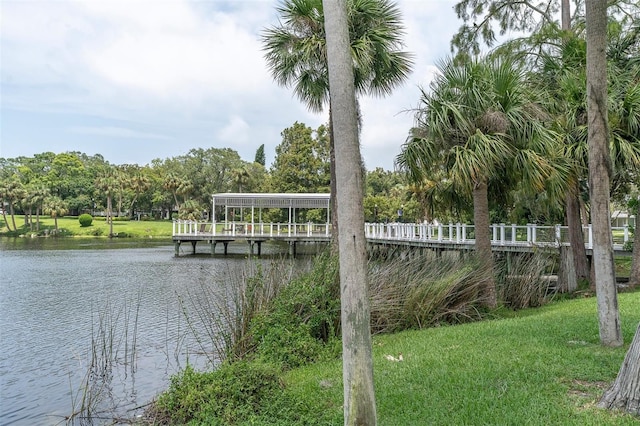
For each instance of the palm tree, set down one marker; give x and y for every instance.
(562, 77)
(107, 182)
(139, 183)
(296, 54)
(480, 126)
(38, 195)
(15, 192)
(177, 186)
(55, 207)
(6, 196)
(359, 398)
(599, 178)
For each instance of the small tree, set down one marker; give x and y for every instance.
(54, 207)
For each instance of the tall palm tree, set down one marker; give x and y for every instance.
(561, 75)
(599, 177)
(481, 127)
(139, 183)
(55, 207)
(7, 195)
(177, 185)
(107, 182)
(38, 195)
(359, 398)
(296, 54)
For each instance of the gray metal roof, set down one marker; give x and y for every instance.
(263, 200)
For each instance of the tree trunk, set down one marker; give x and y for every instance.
(624, 393)
(4, 215)
(567, 281)
(333, 204)
(634, 275)
(109, 216)
(357, 369)
(566, 15)
(483, 242)
(13, 216)
(576, 237)
(599, 173)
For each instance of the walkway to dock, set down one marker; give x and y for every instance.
(223, 229)
(508, 238)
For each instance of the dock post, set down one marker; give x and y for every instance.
(226, 245)
(213, 248)
(177, 247)
(193, 244)
(259, 247)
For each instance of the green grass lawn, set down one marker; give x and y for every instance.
(69, 226)
(544, 366)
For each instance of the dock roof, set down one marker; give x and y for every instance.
(278, 200)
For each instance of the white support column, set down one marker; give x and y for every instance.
(502, 233)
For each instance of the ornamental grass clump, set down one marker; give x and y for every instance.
(524, 281)
(422, 291)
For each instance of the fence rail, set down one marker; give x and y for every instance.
(451, 233)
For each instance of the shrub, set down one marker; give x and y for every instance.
(302, 319)
(233, 392)
(85, 220)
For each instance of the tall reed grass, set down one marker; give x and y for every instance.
(114, 331)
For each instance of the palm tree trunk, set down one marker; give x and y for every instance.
(483, 242)
(109, 216)
(624, 393)
(357, 370)
(599, 173)
(634, 275)
(4, 216)
(566, 15)
(333, 204)
(576, 237)
(13, 216)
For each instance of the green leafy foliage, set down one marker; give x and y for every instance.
(302, 324)
(85, 219)
(232, 392)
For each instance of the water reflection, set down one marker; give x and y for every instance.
(56, 292)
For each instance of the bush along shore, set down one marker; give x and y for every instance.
(89, 226)
(438, 357)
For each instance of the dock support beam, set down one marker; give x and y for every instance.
(193, 245)
(177, 247)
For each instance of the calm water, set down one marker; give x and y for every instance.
(56, 294)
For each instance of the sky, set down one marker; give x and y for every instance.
(137, 80)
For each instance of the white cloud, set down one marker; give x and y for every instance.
(192, 68)
(235, 132)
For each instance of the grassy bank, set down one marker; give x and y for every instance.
(543, 366)
(70, 227)
(535, 366)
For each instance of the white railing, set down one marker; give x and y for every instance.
(501, 234)
(248, 229)
(451, 233)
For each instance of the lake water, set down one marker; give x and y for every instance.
(57, 296)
